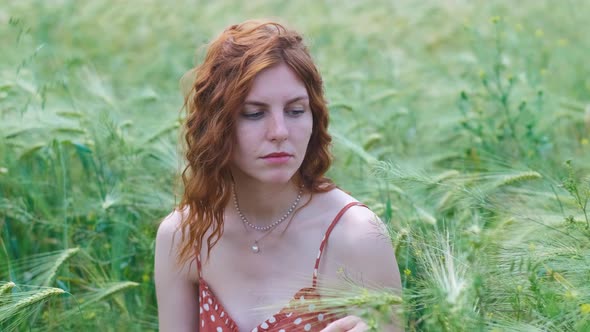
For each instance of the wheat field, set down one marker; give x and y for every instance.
(464, 124)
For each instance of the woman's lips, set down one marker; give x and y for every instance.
(277, 154)
(277, 158)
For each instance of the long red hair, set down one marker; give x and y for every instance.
(221, 85)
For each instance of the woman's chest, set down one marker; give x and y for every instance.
(252, 287)
(301, 314)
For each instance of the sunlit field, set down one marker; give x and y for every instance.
(464, 124)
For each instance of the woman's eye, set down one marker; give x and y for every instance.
(253, 115)
(296, 111)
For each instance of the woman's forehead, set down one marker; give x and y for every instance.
(255, 102)
(276, 83)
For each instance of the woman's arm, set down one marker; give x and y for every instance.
(362, 246)
(175, 290)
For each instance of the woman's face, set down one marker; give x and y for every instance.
(273, 127)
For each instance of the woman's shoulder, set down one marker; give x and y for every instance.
(360, 242)
(169, 240)
(169, 231)
(169, 224)
(357, 221)
(337, 199)
(175, 288)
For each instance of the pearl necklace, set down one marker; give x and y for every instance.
(255, 248)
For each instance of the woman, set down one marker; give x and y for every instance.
(259, 224)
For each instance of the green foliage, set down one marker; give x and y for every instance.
(452, 120)
(17, 308)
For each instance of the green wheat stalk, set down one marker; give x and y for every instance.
(63, 257)
(95, 297)
(517, 178)
(9, 311)
(5, 288)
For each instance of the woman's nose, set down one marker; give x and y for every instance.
(277, 128)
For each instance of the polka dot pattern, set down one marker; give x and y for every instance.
(299, 315)
(211, 313)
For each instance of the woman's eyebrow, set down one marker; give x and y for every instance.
(259, 103)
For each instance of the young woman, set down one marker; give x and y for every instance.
(259, 225)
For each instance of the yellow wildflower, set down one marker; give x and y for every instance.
(495, 19)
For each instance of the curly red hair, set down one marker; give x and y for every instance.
(221, 85)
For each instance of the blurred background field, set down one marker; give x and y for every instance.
(465, 124)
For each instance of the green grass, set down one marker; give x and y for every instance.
(465, 125)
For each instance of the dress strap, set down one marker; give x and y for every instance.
(325, 239)
(198, 256)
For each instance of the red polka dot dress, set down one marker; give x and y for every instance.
(300, 315)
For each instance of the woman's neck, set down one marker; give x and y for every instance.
(263, 204)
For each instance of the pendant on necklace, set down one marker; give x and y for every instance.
(255, 248)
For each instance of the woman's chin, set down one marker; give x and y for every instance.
(274, 177)
(277, 178)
